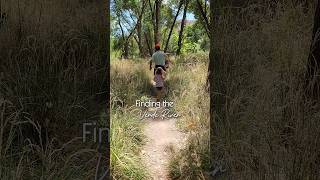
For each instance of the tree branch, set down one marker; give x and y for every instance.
(205, 21)
(139, 18)
(172, 26)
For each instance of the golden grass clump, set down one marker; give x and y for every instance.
(130, 81)
(191, 97)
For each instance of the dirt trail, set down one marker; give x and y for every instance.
(162, 137)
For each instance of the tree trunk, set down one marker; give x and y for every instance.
(106, 60)
(157, 27)
(124, 40)
(153, 17)
(147, 39)
(182, 27)
(216, 73)
(312, 74)
(140, 40)
(303, 3)
(305, 6)
(126, 49)
(172, 26)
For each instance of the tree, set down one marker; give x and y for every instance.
(155, 10)
(172, 26)
(157, 24)
(147, 39)
(203, 15)
(106, 60)
(183, 22)
(216, 81)
(312, 74)
(139, 38)
(121, 17)
(125, 40)
(134, 6)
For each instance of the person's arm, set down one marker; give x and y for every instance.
(163, 74)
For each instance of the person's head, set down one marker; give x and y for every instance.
(157, 47)
(159, 70)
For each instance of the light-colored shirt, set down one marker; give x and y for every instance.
(159, 58)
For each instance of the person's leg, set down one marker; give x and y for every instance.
(162, 92)
(158, 95)
(158, 89)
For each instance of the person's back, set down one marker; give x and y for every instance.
(159, 58)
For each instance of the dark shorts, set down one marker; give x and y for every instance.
(154, 70)
(159, 88)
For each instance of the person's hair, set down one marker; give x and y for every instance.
(158, 71)
(157, 47)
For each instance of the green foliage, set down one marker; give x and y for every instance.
(205, 44)
(193, 7)
(117, 46)
(167, 12)
(195, 37)
(189, 47)
(174, 41)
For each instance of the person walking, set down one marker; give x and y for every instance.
(158, 58)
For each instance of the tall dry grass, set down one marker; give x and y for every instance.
(130, 81)
(188, 90)
(186, 87)
(52, 80)
(270, 131)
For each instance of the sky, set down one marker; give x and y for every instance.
(190, 16)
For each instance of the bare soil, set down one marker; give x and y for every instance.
(163, 137)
